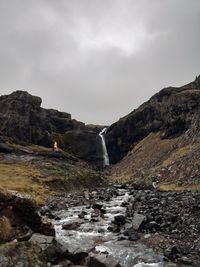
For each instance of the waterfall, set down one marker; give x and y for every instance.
(104, 149)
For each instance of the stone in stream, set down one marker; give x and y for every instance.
(82, 214)
(71, 226)
(114, 228)
(97, 206)
(102, 260)
(138, 220)
(119, 219)
(132, 235)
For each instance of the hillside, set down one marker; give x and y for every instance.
(159, 138)
(28, 163)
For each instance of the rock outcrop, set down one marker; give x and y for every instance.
(24, 121)
(19, 217)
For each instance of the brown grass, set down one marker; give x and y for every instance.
(175, 187)
(180, 152)
(5, 229)
(22, 177)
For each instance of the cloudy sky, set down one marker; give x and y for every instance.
(97, 59)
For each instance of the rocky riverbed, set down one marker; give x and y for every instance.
(121, 226)
(109, 227)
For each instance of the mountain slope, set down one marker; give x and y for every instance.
(161, 137)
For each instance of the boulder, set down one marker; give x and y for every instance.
(42, 241)
(21, 213)
(138, 220)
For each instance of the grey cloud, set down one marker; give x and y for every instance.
(97, 59)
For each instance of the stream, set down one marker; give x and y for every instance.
(92, 233)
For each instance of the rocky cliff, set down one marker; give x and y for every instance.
(24, 121)
(160, 138)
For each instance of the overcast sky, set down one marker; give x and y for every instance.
(97, 59)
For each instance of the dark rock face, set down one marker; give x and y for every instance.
(21, 212)
(23, 120)
(85, 144)
(172, 111)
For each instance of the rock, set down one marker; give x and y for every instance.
(165, 111)
(23, 120)
(119, 220)
(42, 241)
(22, 213)
(102, 260)
(5, 148)
(138, 220)
(71, 226)
(152, 226)
(121, 238)
(132, 235)
(114, 228)
(171, 252)
(97, 206)
(82, 214)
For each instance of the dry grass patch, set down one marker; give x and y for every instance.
(175, 187)
(5, 229)
(180, 152)
(22, 177)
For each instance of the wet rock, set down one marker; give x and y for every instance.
(119, 220)
(102, 260)
(124, 204)
(97, 206)
(122, 237)
(82, 214)
(71, 226)
(132, 235)
(114, 228)
(96, 213)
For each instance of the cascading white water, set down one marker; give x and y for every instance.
(104, 149)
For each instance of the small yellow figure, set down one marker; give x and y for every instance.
(55, 146)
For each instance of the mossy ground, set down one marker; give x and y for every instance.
(41, 176)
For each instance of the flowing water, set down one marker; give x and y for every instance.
(93, 233)
(104, 149)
